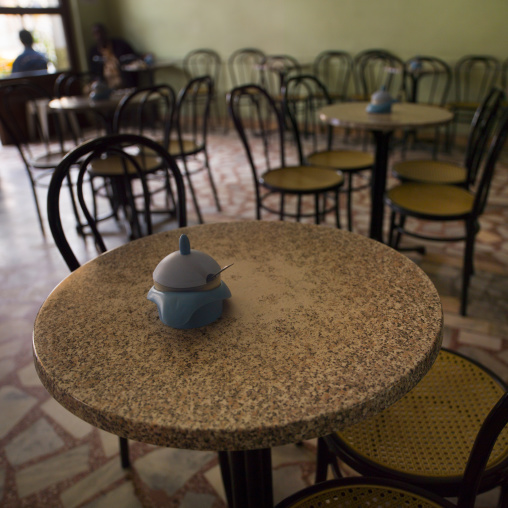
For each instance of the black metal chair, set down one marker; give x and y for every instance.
(35, 131)
(473, 76)
(445, 203)
(262, 131)
(77, 164)
(205, 62)
(334, 69)
(244, 66)
(427, 81)
(310, 132)
(444, 172)
(189, 133)
(275, 70)
(371, 491)
(376, 68)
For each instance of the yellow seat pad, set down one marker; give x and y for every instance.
(302, 179)
(430, 171)
(345, 160)
(433, 200)
(188, 146)
(431, 430)
(113, 165)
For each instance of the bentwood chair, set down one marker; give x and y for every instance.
(425, 438)
(79, 162)
(310, 132)
(444, 172)
(35, 131)
(244, 66)
(189, 134)
(276, 69)
(376, 68)
(474, 76)
(334, 69)
(478, 459)
(262, 128)
(205, 62)
(427, 81)
(446, 203)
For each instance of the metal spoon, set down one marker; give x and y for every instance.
(212, 276)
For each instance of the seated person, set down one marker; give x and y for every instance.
(29, 60)
(108, 56)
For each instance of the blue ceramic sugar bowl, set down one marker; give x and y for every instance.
(381, 102)
(188, 289)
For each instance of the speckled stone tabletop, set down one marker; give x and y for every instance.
(403, 115)
(324, 328)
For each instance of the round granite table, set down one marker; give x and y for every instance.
(324, 328)
(403, 116)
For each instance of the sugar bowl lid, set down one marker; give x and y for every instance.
(186, 270)
(382, 96)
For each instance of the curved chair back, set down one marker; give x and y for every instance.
(203, 62)
(334, 70)
(73, 83)
(374, 68)
(311, 95)
(486, 172)
(122, 146)
(427, 80)
(482, 125)
(147, 112)
(275, 70)
(474, 76)
(245, 66)
(260, 126)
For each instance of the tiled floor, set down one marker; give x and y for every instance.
(48, 457)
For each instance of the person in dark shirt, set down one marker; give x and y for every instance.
(29, 60)
(108, 56)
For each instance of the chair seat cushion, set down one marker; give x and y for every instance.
(189, 147)
(48, 160)
(431, 200)
(345, 160)
(430, 171)
(113, 165)
(302, 179)
(431, 430)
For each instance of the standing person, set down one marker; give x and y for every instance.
(107, 57)
(29, 60)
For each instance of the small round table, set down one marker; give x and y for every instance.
(403, 116)
(324, 328)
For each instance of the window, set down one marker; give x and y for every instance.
(47, 20)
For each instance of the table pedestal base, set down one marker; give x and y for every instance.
(247, 478)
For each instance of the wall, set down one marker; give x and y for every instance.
(449, 28)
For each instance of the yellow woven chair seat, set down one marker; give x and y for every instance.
(114, 165)
(359, 496)
(463, 105)
(431, 430)
(345, 160)
(430, 171)
(432, 200)
(188, 147)
(302, 179)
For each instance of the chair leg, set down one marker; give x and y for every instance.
(337, 209)
(467, 269)
(503, 496)
(323, 460)
(212, 183)
(193, 194)
(124, 453)
(316, 206)
(349, 202)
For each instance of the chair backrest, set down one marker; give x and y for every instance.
(427, 80)
(73, 83)
(192, 112)
(486, 172)
(275, 70)
(260, 124)
(482, 124)
(245, 66)
(148, 112)
(311, 94)
(484, 443)
(376, 68)
(504, 75)
(334, 69)
(79, 161)
(203, 62)
(474, 76)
